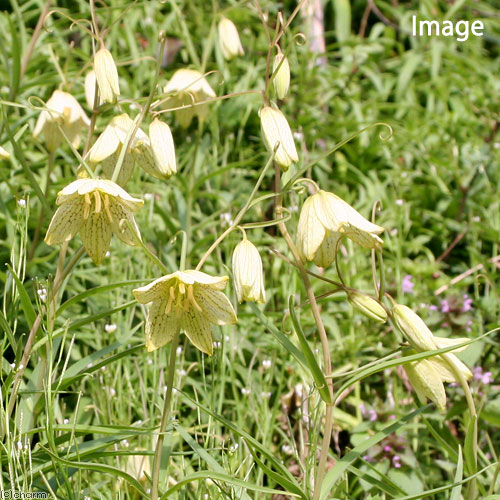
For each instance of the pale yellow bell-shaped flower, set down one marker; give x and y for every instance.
(324, 218)
(368, 306)
(4, 155)
(90, 84)
(426, 382)
(106, 150)
(247, 273)
(275, 130)
(63, 111)
(189, 87)
(229, 39)
(188, 300)
(281, 80)
(106, 75)
(95, 208)
(162, 145)
(417, 333)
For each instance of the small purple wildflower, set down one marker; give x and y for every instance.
(407, 284)
(445, 306)
(468, 328)
(368, 458)
(467, 305)
(478, 373)
(373, 415)
(485, 378)
(387, 448)
(433, 308)
(396, 461)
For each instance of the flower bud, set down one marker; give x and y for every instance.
(90, 82)
(106, 75)
(4, 155)
(247, 272)
(163, 148)
(426, 382)
(367, 306)
(282, 78)
(229, 40)
(413, 328)
(275, 130)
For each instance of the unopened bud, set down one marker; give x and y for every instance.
(163, 148)
(413, 328)
(247, 271)
(367, 306)
(4, 155)
(275, 130)
(282, 78)
(106, 75)
(229, 40)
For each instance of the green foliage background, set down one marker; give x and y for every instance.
(94, 397)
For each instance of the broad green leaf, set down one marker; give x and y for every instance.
(455, 493)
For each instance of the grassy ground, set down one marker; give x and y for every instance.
(80, 418)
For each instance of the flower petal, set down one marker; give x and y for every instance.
(154, 291)
(121, 229)
(197, 329)
(217, 308)
(325, 254)
(160, 327)
(310, 233)
(66, 222)
(126, 170)
(107, 143)
(191, 276)
(443, 342)
(426, 382)
(96, 236)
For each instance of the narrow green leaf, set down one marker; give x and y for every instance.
(469, 454)
(455, 493)
(312, 364)
(97, 289)
(335, 473)
(26, 304)
(342, 19)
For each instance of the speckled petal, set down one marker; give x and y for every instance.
(119, 225)
(310, 232)
(325, 254)
(96, 236)
(197, 329)
(154, 290)
(191, 276)
(66, 222)
(217, 308)
(160, 327)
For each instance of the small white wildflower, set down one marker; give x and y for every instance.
(182, 372)
(66, 421)
(399, 202)
(165, 388)
(112, 391)
(298, 135)
(148, 196)
(20, 367)
(287, 449)
(103, 368)
(13, 366)
(245, 391)
(476, 218)
(266, 364)
(124, 443)
(178, 351)
(110, 328)
(150, 361)
(19, 445)
(265, 395)
(226, 219)
(107, 254)
(90, 365)
(22, 203)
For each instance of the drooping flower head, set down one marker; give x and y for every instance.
(247, 271)
(324, 218)
(189, 87)
(275, 130)
(65, 111)
(95, 208)
(436, 369)
(187, 300)
(229, 39)
(162, 145)
(106, 75)
(106, 150)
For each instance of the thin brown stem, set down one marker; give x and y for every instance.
(327, 433)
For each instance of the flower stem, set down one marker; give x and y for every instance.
(240, 215)
(165, 416)
(327, 432)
